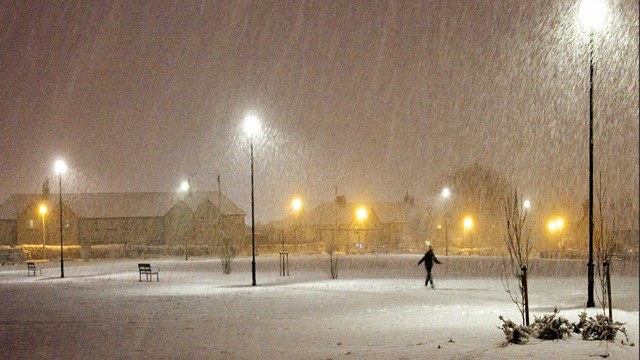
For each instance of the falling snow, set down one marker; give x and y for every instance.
(377, 98)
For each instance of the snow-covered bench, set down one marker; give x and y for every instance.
(148, 271)
(31, 268)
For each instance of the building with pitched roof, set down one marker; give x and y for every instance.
(152, 218)
(366, 226)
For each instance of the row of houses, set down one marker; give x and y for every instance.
(354, 227)
(201, 218)
(150, 218)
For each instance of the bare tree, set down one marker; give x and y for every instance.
(518, 244)
(604, 239)
(334, 260)
(227, 252)
(479, 191)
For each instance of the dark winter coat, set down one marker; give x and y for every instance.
(429, 258)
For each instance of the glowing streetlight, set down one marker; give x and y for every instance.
(592, 15)
(61, 168)
(527, 204)
(251, 127)
(361, 214)
(468, 223)
(43, 210)
(296, 204)
(446, 192)
(184, 187)
(555, 226)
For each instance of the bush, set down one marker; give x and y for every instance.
(550, 327)
(599, 328)
(515, 333)
(227, 252)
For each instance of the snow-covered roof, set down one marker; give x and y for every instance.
(385, 212)
(117, 205)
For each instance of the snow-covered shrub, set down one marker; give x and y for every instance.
(227, 252)
(516, 334)
(599, 328)
(551, 326)
(334, 263)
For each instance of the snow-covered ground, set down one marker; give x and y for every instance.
(378, 309)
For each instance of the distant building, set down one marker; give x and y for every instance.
(382, 226)
(152, 218)
(620, 227)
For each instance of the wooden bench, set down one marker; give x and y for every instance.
(31, 268)
(148, 272)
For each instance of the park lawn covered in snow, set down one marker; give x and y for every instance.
(379, 308)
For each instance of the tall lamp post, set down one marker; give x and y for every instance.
(296, 205)
(556, 226)
(466, 225)
(361, 215)
(592, 15)
(43, 210)
(446, 194)
(251, 126)
(61, 168)
(185, 187)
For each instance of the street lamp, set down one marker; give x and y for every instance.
(592, 15)
(467, 225)
(361, 215)
(296, 205)
(527, 204)
(61, 168)
(556, 226)
(184, 187)
(446, 194)
(251, 126)
(43, 210)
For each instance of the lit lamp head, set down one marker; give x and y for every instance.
(592, 13)
(446, 193)
(60, 167)
(184, 186)
(296, 204)
(555, 225)
(526, 204)
(43, 209)
(468, 223)
(361, 214)
(251, 124)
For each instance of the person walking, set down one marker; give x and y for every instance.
(429, 258)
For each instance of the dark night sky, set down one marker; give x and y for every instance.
(378, 97)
